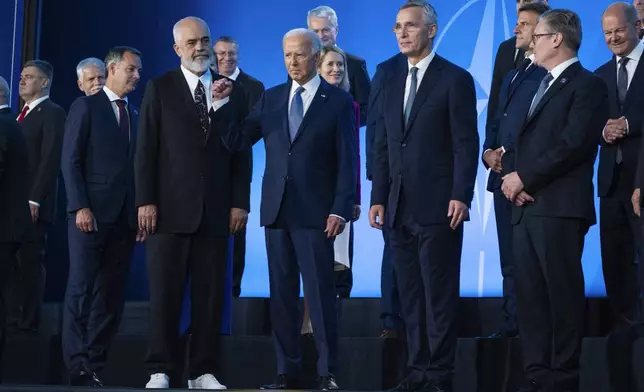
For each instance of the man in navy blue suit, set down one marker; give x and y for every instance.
(552, 187)
(425, 159)
(515, 97)
(97, 165)
(307, 197)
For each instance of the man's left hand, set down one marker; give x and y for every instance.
(334, 226)
(221, 89)
(458, 212)
(356, 212)
(238, 220)
(512, 186)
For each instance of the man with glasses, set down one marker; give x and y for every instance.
(552, 189)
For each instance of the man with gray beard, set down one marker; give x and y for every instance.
(191, 194)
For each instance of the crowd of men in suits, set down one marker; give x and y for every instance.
(176, 175)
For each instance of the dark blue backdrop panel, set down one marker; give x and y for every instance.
(469, 33)
(11, 20)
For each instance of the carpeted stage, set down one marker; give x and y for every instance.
(366, 361)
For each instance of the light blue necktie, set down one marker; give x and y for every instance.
(540, 92)
(412, 93)
(296, 114)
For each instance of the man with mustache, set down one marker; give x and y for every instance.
(91, 75)
(191, 194)
(98, 169)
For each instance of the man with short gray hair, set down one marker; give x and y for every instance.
(554, 205)
(324, 22)
(301, 216)
(91, 75)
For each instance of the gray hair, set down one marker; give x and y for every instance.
(4, 89)
(88, 63)
(316, 44)
(115, 55)
(324, 12)
(177, 26)
(630, 12)
(567, 23)
(430, 13)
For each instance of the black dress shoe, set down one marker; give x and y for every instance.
(85, 379)
(281, 382)
(531, 386)
(438, 386)
(327, 383)
(389, 334)
(504, 334)
(408, 385)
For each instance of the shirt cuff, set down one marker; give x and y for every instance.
(338, 216)
(216, 105)
(34, 203)
(503, 149)
(625, 119)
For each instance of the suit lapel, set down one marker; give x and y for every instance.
(556, 86)
(134, 119)
(185, 95)
(611, 81)
(431, 77)
(638, 79)
(316, 106)
(396, 99)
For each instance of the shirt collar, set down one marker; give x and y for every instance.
(235, 74)
(310, 87)
(37, 102)
(635, 54)
(111, 95)
(559, 69)
(4, 107)
(424, 63)
(193, 79)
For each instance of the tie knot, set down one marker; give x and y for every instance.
(413, 71)
(526, 63)
(623, 61)
(25, 109)
(120, 103)
(300, 90)
(547, 79)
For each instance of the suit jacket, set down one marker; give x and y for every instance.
(251, 90)
(191, 178)
(434, 159)
(14, 197)
(630, 144)
(359, 84)
(8, 114)
(515, 99)
(43, 129)
(315, 175)
(98, 160)
(557, 147)
(375, 105)
(504, 62)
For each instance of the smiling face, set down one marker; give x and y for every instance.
(192, 45)
(333, 68)
(226, 57)
(92, 79)
(125, 74)
(620, 35)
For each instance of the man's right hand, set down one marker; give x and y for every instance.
(493, 159)
(221, 89)
(635, 200)
(377, 216)
(85, 220)
(614, 130)
(148, 218)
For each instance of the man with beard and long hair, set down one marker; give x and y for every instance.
(191, 195)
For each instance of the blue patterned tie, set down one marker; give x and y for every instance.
(540, 93)
(296, 114)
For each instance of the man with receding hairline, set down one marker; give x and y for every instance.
(191, 194)
(91, 75)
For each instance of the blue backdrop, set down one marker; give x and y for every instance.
(469, 33)
(11, 15)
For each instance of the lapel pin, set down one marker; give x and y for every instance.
(563, 80)
(39, 109)
(323, 96)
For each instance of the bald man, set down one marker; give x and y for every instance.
(5, 92)
(619, 228)
(191, 194)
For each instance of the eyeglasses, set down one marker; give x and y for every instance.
(410, 27)
(535, 36)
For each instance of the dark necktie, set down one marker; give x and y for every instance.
(641, 34)
(124, 119)
(540, 93)
(518, 59)
(622, 89)
(202, 107)
(412, 93)
(296, 114)
(522, 68)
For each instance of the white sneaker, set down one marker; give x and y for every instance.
(206, 381)
(158, 381)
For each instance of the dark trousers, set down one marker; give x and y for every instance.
(550, 298)
(170, 258)
(99, 263)
(390, 298)
(344, 278)
(26, 281)
(291, 251)
(8, 252)
(503, 214)
(239, 261)
(621, 237)
(427, 260)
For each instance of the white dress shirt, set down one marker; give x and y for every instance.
(193, 80)
(33, 105)
(310, 89)
(559, 69)
(3, 106)
(422, 68)
(235, 74)
(111, 95)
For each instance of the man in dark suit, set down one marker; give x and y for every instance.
(98, 169)
(508, 57)
(425, 160)
(227, 52)
(42, 123)
(5, 108)
(324, 22)
(391, 322)
(516, 94)
(620, 229)
(91, 75)
(308, 127)
(191, 195)
(14, 202)
(552, 188)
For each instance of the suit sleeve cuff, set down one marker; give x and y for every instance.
(338, 216)
(34, 203)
